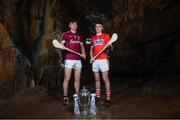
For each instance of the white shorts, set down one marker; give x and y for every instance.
(100, 65)
(73, 64)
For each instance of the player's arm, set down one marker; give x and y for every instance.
(62, 39)
(91, 53)
(91, 50)
(110, 46)
(83, 51)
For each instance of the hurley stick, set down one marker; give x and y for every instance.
(56, 44)
(113, 39)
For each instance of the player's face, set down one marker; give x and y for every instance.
(73, 26)
(98, 28)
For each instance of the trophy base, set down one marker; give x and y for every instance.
(85, 111)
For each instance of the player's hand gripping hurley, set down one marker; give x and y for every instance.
(56, 44)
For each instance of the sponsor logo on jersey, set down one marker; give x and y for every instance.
(74, 42)
(98, 42)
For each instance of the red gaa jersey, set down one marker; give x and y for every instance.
(99, 42)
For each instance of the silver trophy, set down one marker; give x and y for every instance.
(93, 104)
(84, 100)
(76, 105)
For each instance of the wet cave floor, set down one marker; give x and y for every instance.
(152, 100)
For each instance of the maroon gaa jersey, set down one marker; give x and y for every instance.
(72, 41)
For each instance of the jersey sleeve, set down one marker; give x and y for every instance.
(81, 40)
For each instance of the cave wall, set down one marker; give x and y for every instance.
(15, 69)
(149, 30)
(148, 37)
(15, 66)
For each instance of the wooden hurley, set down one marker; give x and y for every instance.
(56, 44)
(114, 38)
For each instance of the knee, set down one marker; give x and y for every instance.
(97, 78)
(106, 79)
(66, 78)
(77, 78)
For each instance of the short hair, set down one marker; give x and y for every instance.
(73, 21)
(98, 22)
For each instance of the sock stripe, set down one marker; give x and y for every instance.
(66, 97)
(108, 95)
(98, 92)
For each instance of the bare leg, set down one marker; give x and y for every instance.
(67, 76)
(97, 83)
(77, 75)
(106, 80)
(107, 84)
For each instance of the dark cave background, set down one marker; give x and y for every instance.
(148, 43)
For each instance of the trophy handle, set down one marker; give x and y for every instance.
(89, 99)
